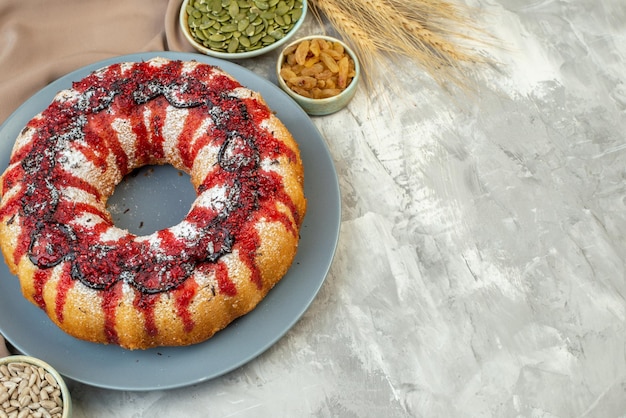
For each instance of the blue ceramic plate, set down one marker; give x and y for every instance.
(160, 197)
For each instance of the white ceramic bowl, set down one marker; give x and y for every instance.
(65, 393)
(325, 106)
(183, 19)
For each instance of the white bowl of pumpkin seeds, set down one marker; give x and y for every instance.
(239, 29)
(31, 387)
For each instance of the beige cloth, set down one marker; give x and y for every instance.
(42, 40)
(3, 349)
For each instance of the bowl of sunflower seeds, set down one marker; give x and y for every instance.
(31, 387)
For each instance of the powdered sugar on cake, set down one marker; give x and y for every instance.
(243, 163)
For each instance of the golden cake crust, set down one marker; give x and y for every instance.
(177, 286)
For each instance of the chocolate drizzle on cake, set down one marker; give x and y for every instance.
(179, 285)
(148, 269)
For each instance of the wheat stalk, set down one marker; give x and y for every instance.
(438, 36)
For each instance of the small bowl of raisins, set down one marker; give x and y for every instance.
(320, 73)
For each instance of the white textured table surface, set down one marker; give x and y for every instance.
(480, 269)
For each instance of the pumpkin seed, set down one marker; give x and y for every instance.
(250, 30)
(233, 45)
(263, 5)
(296, 14)
(216, 6)
(229, 28)
(243, 24)
(256, 38)
(233, 9)
(218, 37)
(281, 8)
(216, 45)
(268, 39)
(277, 34)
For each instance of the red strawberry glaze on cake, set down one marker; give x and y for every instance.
(237, 241)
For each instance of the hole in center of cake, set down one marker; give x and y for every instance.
(151, 198)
